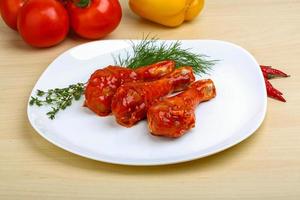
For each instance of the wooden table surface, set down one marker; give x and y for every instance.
(265, 166)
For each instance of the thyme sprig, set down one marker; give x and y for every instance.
(58, 98)
(149, 51)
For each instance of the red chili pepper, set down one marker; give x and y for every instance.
(271, 72)
(277, 91)
(265, 75)
(272, 92)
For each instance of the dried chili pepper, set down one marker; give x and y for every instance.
(269, 73)
(272, 92)
(265, 75)
(272, 73)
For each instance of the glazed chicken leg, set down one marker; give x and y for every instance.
(132, 100)
(173, 116)
(103, 83)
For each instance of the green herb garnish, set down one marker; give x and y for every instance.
(150, 51)
(146, 52)
(58, 98)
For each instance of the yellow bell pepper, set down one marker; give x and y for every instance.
(170, 13)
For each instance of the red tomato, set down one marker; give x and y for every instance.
(43, 23)
(9, 11)
(96, 20)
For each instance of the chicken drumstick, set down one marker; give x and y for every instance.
(103, 83)
(132, 100)
(173, 116)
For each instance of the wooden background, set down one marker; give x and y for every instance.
(265, 166)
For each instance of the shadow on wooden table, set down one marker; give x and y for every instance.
(63, 157)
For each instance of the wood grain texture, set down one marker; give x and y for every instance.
(265, 166)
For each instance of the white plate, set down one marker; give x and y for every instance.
(236, 112)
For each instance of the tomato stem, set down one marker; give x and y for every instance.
(82, 3)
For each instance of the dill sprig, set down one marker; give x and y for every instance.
(149, 51)
(58, 98)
